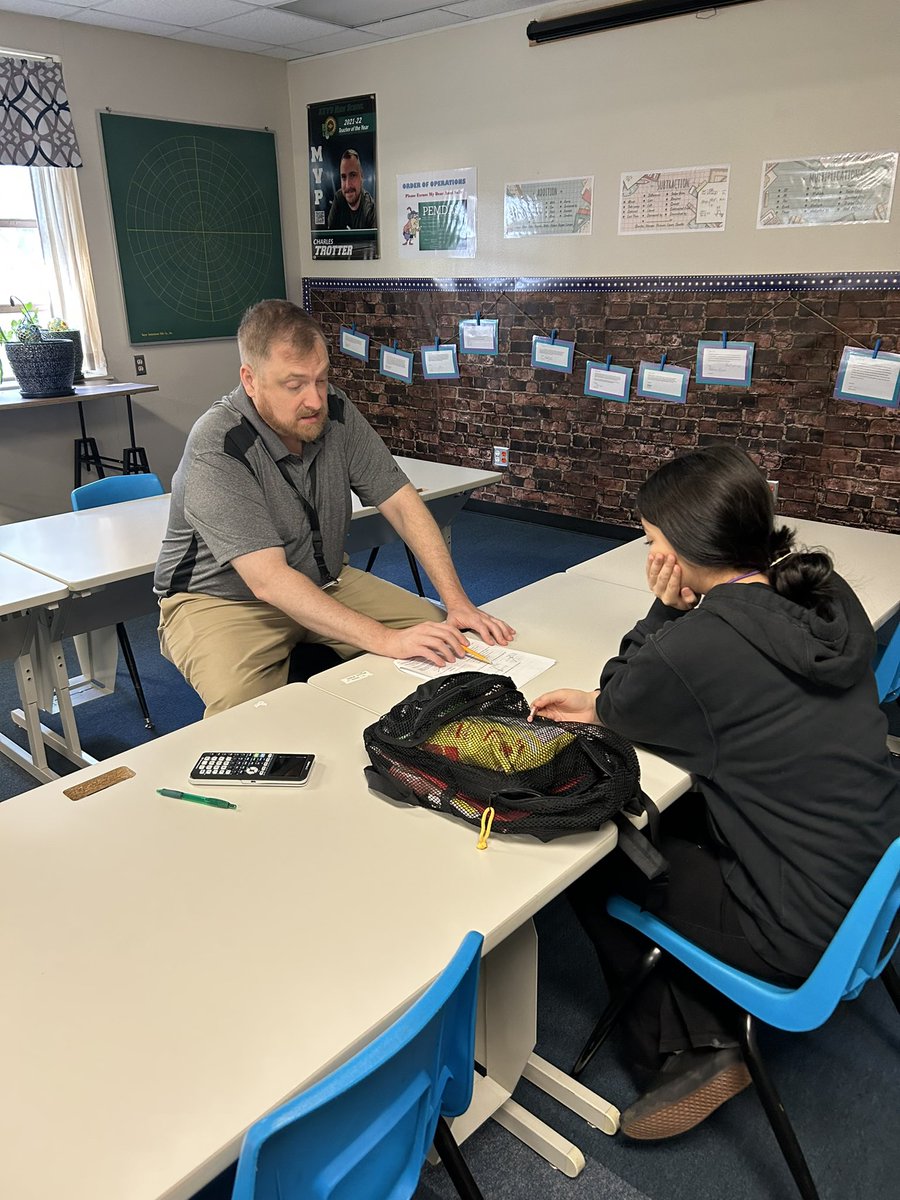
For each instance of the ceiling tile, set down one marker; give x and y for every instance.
(41, 8)
(471, 9)
(358, 12)
(289, 53)
(346, 40)
(175, 12)
(415, 23)
(204, 37)
(92, 16)
(276, 28)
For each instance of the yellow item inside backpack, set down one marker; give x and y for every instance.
(498, 746)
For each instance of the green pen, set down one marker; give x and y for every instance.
(210, 801)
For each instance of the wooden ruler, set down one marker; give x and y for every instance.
(98, 783)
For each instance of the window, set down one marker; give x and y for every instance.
(23, 275)
(44, 258)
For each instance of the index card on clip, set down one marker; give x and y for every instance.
(396, 364)
(440, 361)
(663, 383)
(552, 354)
(868, 378)
(729, 365)
(354, 344)
(607, 382)
(479, 337)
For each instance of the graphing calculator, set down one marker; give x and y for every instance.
(224, 766)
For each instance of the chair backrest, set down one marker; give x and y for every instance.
(858, 952)
(887, 670)
(363, 1132)
(114, 489)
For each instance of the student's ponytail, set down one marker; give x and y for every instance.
(803, 576)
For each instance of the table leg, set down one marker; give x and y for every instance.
(33, 760)
(505, 1038)
(134, 457)
(86, 452)
(51, 682)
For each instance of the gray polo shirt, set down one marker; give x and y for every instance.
(239, 489)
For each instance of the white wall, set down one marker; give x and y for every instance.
(772, 78)
(154, 77)
(777, 78)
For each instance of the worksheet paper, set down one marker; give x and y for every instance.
(504, 660)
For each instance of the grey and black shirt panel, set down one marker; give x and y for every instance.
(238, 489)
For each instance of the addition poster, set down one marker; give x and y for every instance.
(343, 178)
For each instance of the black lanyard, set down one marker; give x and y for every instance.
(325, 576)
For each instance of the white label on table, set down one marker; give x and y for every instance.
(357, 677)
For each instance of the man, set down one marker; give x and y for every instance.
(253, 559)
(352, 207)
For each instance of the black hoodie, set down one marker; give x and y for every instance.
(774, 711)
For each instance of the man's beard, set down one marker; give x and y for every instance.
(308, 433)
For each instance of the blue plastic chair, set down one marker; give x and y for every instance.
(887, 670)
(113, 489)
(363, 1132)
(860, 950)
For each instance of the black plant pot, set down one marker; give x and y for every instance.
(73, 335)
(45, 368)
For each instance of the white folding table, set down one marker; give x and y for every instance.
(577, 621)
(174, 971)
(868, 559)
(22, 591)
(106, 556)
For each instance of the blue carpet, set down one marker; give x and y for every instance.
(494, 555)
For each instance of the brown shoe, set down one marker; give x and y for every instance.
(690, 1086)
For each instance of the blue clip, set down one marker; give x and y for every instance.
(437, 342)
(353, 327)
(724, 338)
(553, 335)
(394, 344)
(877, 347)
(608, 361)
(478, 316)
(662, 361)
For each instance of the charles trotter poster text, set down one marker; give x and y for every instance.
(343, 182)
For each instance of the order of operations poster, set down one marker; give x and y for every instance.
(836, 189)
(674, 200)
(436, 213)
(343, 180)
(548, 207)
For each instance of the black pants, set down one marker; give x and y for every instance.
(674, 1009)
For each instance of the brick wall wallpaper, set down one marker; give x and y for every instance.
(580, 457)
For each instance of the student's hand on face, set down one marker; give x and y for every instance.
(665, 582)
(566, 704)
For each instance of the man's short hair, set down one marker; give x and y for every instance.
(272, 321)
(351, 154)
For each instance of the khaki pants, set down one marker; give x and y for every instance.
(234, 650)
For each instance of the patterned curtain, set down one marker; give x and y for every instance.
(35, 121)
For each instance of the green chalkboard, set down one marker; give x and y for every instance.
(197, 222)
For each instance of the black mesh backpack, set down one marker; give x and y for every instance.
(463, 745)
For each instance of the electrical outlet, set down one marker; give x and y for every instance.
(501, 456)
(773, 488)
(140, 365)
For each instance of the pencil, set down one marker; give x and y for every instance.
(474, 654)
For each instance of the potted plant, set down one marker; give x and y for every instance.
(57, 328)
(44, 366)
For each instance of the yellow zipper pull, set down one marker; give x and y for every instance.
(487, 820)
